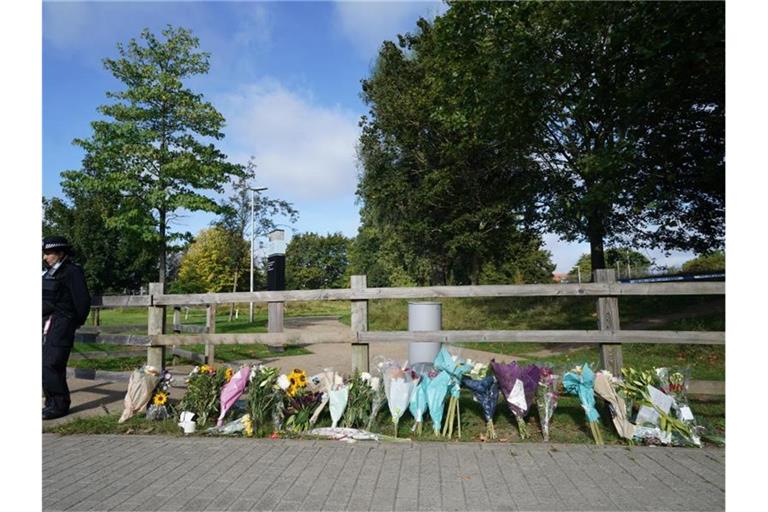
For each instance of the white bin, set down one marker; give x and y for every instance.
(424, 316)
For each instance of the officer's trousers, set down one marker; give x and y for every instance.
(57, 345)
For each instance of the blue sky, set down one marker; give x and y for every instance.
(285, 75)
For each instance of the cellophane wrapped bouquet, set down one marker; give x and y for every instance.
(485, 391)
(546, 398)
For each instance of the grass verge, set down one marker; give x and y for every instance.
(568, 424)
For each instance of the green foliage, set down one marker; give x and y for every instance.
(313, 261)
(599, 121)
(236, 211)
(203, 393)
(114, 260)
(359, 402)
(615, 257)
(262, 398)
(153, 145)
(713, 262)
(215, 262)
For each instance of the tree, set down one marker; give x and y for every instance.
(620, 258)
(313, 261)
(154, 146)
(210, 262)
(599, 121)
(430, 181)
(113, 260)
(712, 262)
(236, 211)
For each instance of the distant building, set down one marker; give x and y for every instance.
(560, 277)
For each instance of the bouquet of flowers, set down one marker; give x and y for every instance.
(298, 409)
(204, 385)
(158, 408)
(674, 382)
(437, 389)
(546, 398)
(232, 390)
(359, 401)
(260, 395)
(519, 385)
(607, 387)
(398, 387)
(485, 390)
(327, 383)
(654, 423)
(293, 410)
(455, 367)
(580, 382)
(242, 424)
(418, 403)
(140, 389)
(377, 401)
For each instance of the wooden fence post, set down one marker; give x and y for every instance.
(359, 323)
(95, 316)
(177, 319)
(210, 328)
(611, 357)
(155, 326)
(275, 321)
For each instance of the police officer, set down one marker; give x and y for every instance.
(66, 304)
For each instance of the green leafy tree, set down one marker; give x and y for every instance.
(155, 144)
(524, 263)
(236, 211)
(600, 121)
(113, 260)
(313, 261)
(431, 182)
(211, 262)
(623, 259)
(713, 262)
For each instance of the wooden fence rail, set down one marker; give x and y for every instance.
(605, 290)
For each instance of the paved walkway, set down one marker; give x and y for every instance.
(106, 472)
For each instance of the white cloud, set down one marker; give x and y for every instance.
(302, 150)
(367, 24)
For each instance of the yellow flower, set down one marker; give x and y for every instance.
(248, 425)
(228, 374)
(160, 398)
(205, 369)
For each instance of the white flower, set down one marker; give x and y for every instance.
(283, 382)
(374, 382)
(365, 376)
(470, 362)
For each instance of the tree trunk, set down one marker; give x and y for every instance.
(596, 247)
(163, 254)
(232, 306)
(474, 277)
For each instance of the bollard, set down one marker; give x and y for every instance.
(424, 316)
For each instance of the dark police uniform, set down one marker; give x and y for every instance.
(66, 304)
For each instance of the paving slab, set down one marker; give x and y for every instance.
(133, 472)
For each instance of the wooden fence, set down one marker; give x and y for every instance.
(605, 290)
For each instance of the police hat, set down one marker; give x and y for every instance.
(56, 243)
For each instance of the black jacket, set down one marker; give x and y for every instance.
(65, 293)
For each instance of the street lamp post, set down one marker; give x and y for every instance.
(253, 221)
